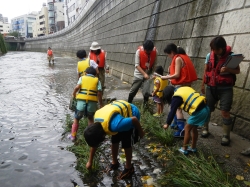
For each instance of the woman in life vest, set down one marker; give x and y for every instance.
(181, 73)
(50, 55)
(219, 86)
(99, 56)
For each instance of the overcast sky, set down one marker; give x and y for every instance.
(14, 8)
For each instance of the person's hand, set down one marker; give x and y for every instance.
(224, 69)
(153, 94)
(89, 165)
(74, 95)
(165, 126)
(146, 76)
(203, 89)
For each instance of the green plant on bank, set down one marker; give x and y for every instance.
(80, 148)
(153, 127)
(181, 170)
(3, 48)
(195, 170)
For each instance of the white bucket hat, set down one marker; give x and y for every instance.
(95, 46)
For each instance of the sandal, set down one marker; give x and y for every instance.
(127, 173)
(112, 167)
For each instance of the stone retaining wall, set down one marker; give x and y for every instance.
(120, 26)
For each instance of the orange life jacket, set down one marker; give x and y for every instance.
(50, 52)
(212, 74)
(99, 59)
(145, 58)
(187, 74)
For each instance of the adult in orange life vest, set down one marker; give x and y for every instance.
(50, 55)
(181, 73)
(219, 86)
(99, 56)
(145, 60)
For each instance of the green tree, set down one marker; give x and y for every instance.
(15, 33)
(3, 48)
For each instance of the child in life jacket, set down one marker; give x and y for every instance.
(89, 94)
(187, 99)
(50, 55)
(157, 94)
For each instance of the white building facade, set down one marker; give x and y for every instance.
(23, 24)
(5, 28)
(41, 25)
(72, 8)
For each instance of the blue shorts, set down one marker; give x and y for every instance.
(85, 109)
(200, 117)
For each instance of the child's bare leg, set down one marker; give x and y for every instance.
(158, 108)
(162, 106)
(128, 154)
(114, 150)
(74, 128)
(187, 136)
(194, 137)
(90, 120)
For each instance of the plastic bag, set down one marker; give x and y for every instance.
(72, 104)
(148, 87)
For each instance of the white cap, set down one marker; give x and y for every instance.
(95, 46)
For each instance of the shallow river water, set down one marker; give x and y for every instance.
(34, 98)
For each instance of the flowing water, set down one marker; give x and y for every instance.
(34, 98)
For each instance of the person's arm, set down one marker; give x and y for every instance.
(77, 88)
(138, 67)
(138, 126)
(91, 158)
(178, 65)
(230, 70)
(175, 104)
(203, 79)
(99, 94)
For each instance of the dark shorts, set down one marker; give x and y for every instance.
(128, 138)
(223, 95)
(157, 99)
(80, 114)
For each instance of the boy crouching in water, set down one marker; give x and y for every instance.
(121, 120)
(187, 99)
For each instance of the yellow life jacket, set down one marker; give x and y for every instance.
(88, 91)
(191, 98)
(104, 114)
(82, 66)
(163, 84)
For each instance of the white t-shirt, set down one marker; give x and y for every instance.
(92, 63)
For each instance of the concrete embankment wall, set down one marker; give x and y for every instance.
(120, 26)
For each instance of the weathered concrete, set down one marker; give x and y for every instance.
(121, 26)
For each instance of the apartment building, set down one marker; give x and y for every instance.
(5, 28)
(23, 24)
(56, 15)
(41, 25)
(72, 8)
